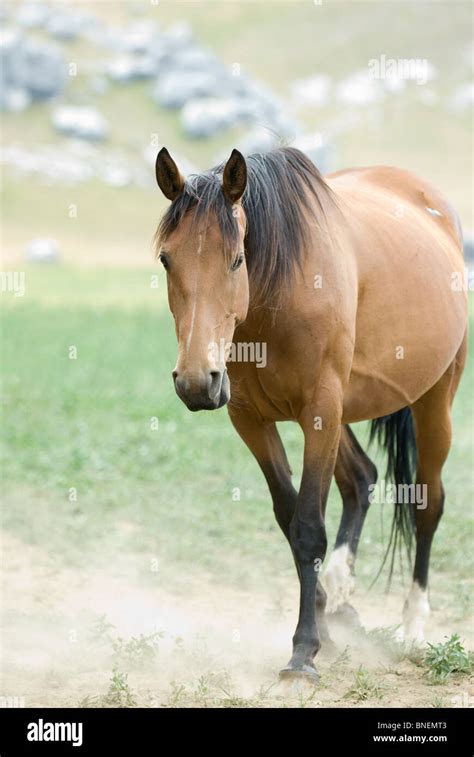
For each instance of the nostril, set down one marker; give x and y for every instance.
(215, 383)
(175, 375)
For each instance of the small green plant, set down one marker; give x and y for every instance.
(202, 690)
(119, 693)
(305, 700)
(341, 661)
(136, 651)
(364, 687)
(264, 691)
(178, 692)
(101, 629)
(178, 644)
(232, 700)
(447, 658)
(438, 701)
(89, 701)
(132, 652)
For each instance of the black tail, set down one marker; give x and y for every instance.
(395, 433)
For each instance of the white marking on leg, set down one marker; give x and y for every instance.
(415, 613)
(338, 579)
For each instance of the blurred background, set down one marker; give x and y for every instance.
(91, 91)
(123, 513)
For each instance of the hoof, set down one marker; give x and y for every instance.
(306, 674)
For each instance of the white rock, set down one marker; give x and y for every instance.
(179, 34)
(15, 99)
(32, 15)
(312, 92)
(42, 251)
(40, 68)
(81, 122)
(463, 98)
(359, 89)
(176, 88)
(140, 36)
(128, 68)
(203, 118)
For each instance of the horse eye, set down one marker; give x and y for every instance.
(164, 261)
(237, 262)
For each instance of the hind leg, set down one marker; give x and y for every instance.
(432, 419)
(354, 474)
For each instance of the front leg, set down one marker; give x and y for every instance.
(265, 443)
(321, 424)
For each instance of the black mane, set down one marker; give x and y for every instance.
(277, 202)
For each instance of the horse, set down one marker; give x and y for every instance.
(349, 282)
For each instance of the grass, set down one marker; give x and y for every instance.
(137, 654)
(119, 693)
(127, 654)
(365, 687)
(88, 426)
(62, 430)
(215, 690)
(126, 222)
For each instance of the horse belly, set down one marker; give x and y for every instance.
(407, 337)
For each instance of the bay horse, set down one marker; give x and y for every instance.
(348, 282)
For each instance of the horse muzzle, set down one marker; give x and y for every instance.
(208, 390)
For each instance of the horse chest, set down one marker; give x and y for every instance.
(273, 394)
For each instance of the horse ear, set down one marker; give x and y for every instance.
(169, 179)
(234, 178)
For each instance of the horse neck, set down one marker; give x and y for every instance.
(262, 317)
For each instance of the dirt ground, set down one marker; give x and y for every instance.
(219, 647)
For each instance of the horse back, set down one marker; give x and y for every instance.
(403, 187)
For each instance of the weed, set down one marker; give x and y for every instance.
(119, 693)
(446, 658)
(138, 650)
(178, 692)
(364, 687)
(101, 629)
